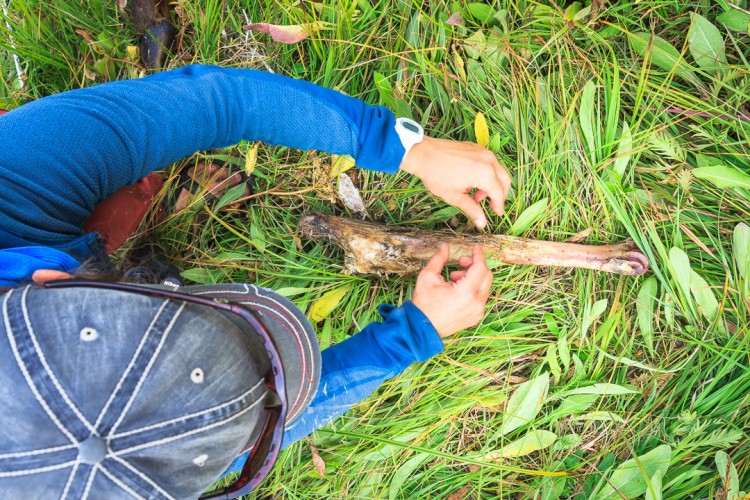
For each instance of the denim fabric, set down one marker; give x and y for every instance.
(98, 394)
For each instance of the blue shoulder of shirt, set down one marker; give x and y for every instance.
(62, 154)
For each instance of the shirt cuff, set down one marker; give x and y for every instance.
(424, 341)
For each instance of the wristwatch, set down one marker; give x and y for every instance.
(410, 133)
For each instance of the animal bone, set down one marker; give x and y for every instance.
(378, 249)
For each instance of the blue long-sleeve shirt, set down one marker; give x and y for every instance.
(61, 155)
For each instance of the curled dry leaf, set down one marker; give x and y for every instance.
(579, 237)
(294, 33)
(455, 19)
(320, 465)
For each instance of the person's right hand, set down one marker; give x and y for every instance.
(459, 303)
(452, 169)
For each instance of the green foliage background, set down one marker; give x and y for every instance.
(629, 118)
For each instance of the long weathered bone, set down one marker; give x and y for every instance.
(378, 249)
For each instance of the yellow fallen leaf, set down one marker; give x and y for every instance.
(251, 158)
(340, 164)
(327, 303)
(481, 131)
(460, 68)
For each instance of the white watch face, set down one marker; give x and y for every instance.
(410, 132)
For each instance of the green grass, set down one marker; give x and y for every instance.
(428, 432)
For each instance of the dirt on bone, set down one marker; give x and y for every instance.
(373, 248)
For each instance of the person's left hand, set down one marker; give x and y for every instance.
(451, 169)
(459, 303)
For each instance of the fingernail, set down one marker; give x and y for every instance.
(480, 223)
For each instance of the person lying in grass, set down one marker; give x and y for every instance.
(153, 391)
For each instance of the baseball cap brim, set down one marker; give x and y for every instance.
(290, 330)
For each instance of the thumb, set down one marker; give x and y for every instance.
(472, 209)
(438, 261)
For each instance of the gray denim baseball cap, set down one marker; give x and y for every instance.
(110, 394)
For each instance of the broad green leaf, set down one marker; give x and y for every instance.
(631, 362)
(653, 491)
(257, 237)
(386, 451)
(669, 310)
(525, 403)
(570, 12)
(566, 442)
(706, 44)
(601, 389)
(480, 11)
(224, 257)
(628, 480)
(327, 303)
(576, 404)
(402, 108)
(703, 296)
(597, 309)
(481, 131)
(681, 265)
(586, 117)
(563, 351)
(554, 366)
(735, 20)
(528, 217)
(291, 291)
(723, 176)
(231, 195)
(385, 90)
(741, 249)
(600, 416)
(645, 309)
(624, 151)
(201, 275)
(404, 471)
(662, 54)
(728, 474)
(531, 442)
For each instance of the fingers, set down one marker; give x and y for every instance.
(457, 275)
(477, 273)
(438, 261)
(472, 210)
(464, 261)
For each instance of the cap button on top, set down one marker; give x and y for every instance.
(92, 450)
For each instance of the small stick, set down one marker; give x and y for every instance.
(378, 249)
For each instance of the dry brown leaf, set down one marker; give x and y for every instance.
(86, 36)
(317, 461)
(455, 19)
(293, 33)
(122, 5)
(459, 494)
(578, 237)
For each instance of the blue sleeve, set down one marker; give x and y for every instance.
(62, 154)
(355, 368)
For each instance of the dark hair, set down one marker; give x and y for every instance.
(144, 265)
